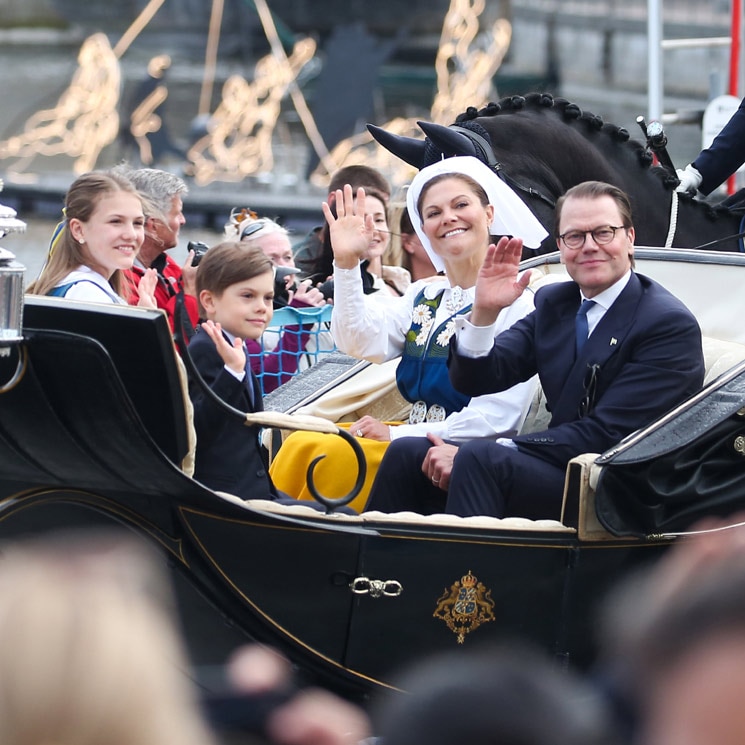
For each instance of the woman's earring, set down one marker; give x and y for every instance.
(81, 241)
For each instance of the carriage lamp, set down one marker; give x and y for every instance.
(11, 301)
(11, 283)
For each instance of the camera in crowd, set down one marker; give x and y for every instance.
(281, 288)
(324, 284)
(199, 248)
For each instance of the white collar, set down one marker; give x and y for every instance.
(84, 272)
(607, 297)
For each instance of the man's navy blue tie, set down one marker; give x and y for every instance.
(580, 324)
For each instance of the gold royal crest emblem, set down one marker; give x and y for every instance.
(465, 606)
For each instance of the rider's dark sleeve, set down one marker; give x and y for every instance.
(725, 155)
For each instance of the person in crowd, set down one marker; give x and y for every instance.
(612, 348)
(672, 641)
(235, 286)
(406, 248)
(312, 254)
(96, 243)
(376, 276)
(716, 163)
(163, 193)
(278, 363)
(89, 650)
(462, 203)
(510, 695)
(263, 700)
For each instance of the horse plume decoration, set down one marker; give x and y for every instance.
(541, 146)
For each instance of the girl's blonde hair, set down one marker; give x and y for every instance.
(65, 253)
(88, 652)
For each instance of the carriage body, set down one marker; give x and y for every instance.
(91, 436)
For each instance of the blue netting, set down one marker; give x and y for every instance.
(295, 339)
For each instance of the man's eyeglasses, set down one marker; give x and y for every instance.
(602, 235)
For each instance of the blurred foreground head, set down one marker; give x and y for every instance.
(88, 651)
(674, 640)
(501, 697)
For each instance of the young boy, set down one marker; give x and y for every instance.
(235, 288)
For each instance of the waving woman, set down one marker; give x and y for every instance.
(456, 206)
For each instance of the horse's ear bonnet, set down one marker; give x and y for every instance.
(465, 138)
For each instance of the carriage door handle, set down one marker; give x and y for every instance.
(375, 588)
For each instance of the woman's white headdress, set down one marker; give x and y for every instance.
(511, 214)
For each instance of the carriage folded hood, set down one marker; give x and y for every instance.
(688, 464)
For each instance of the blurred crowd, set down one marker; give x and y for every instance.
(91, 653)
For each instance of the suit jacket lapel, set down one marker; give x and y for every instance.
(253, 382)
(605, 340)
(615, 324)
(250, 382)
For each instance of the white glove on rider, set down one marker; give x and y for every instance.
(690, 179)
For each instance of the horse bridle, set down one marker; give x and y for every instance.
(516, 186)
(489, 158)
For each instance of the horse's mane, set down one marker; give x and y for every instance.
(572, 115)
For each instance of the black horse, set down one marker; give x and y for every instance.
(541, 146)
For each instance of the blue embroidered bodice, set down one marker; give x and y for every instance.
(422, 374)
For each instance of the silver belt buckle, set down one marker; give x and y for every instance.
(436, 413)
(420, 413)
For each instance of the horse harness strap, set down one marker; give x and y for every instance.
(529, 190)
(673, 220)
(487, 156)
(739, 235)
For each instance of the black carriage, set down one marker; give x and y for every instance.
(94, 431)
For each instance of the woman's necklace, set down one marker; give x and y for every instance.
(456, 300)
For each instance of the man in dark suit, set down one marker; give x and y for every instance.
(631, 355)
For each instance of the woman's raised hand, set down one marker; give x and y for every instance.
(498, 284)
(350, 232)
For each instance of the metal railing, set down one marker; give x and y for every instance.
(682, 12)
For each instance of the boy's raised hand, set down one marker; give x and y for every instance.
(234, 356)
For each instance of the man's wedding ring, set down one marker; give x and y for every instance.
(435, 481)
(360, 433)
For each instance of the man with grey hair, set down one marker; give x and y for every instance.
(164, 216)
